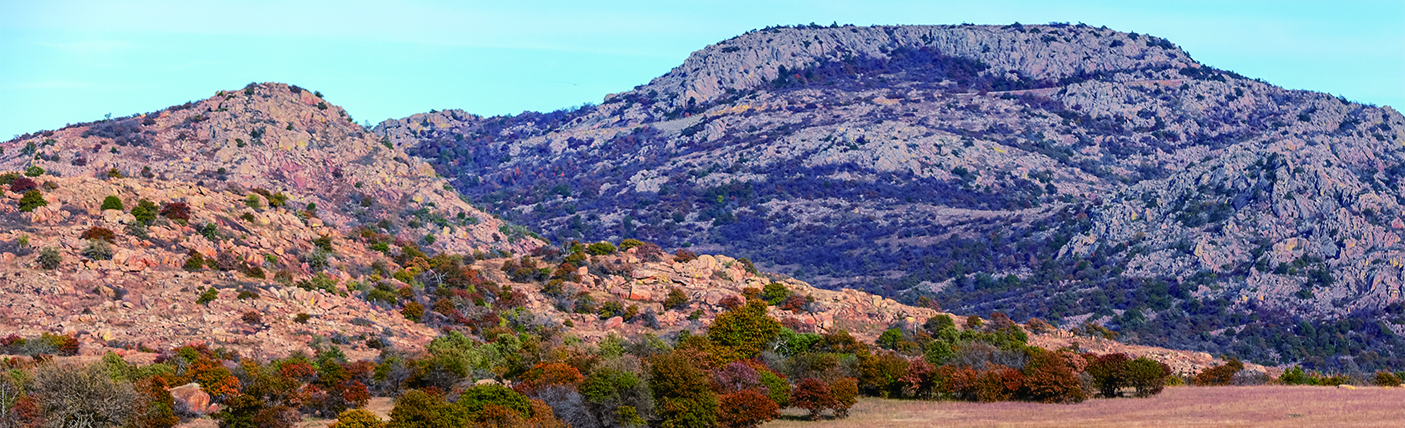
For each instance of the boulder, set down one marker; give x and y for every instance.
(192, 398)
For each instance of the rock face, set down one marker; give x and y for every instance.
(1066, 172)
(278, 138)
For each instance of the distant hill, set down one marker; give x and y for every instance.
(274, 138)
(1066, 172)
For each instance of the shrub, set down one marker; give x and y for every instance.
(775, 293)
(1296, 376)
(601, 248)
(112, 203)
(814, 396)
(301, 318)
(357, 418)
(1051, 379)
(413, 311)
(625, 245)
(684, 256)
(745, 409)
(1147, 376)
(98, 232)
(252, 317)
(49, 258)
(846, 393)
(682, 392)
(1219, 375)
(1109, 373)
(194, 261)
(145, 212)
(31, 200)
(420, 409)
(23, 184)
(474, 401)
(98, 249)
(207, 296)
(1386, 379)
(974, 322)
(176, 211)
(676, 299)
(253, 201)
(69, 394)
(33, 171)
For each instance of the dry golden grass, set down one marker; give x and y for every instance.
(1257, 406)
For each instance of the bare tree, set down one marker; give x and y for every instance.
(83, 397)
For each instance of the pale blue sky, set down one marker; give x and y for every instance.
(74, 61)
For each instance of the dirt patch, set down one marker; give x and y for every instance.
(1260, 406)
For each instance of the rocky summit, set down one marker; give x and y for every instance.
(1067, 172)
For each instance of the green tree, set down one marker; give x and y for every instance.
(112, 203)
(31, 200)
(742, 333)
(682, 392)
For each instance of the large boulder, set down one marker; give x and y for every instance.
(193, 399)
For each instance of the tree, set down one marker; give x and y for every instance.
(83, 396)
(814, 396)
(112, 203)
(742, 333)
(1109, 373)
(1219, 375)
(1147, 376)
(32, 200)
(683, 394)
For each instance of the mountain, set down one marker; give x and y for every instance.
(127, 249)
(1066, 172)
(274, 138)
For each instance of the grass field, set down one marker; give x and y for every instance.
(1255, 406)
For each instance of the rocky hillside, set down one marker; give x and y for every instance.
(276, 139)
(124, 280)
(1066, 172)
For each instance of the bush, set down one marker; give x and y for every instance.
(98, 249)
(745, 409)
(684, 256)
(22, 184)
(252, 317)
(357, 418)
(98, 232)
(625, 245)
(33, 171)
(419, 409)
(775, 293)
(676, 299)
(145, 212)
(413, 311)
(814, 396)
(176, 211)
(194, 261)
(1109, 373)
(1219, 375)
(601, 248)
(49, 258)
(31, 200)
(207, 296)
(473, 402)
(1296, 376)
(1147, 376)
(1051, 379)
(1386, 379)
(68, 394)
(112, 203)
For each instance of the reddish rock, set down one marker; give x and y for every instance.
(193, 398)
(613, 323)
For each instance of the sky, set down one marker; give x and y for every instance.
(65, 61)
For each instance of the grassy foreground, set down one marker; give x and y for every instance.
(1229, 406)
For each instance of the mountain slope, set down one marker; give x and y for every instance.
(1068, 172)
(278, 138)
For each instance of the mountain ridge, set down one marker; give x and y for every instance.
(911, 170)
